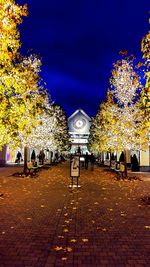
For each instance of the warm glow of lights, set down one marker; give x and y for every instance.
(118, 125)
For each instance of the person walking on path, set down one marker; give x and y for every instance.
(19, 156)
(86, 160)
(41, 157)
(92, 161)
(33, 157)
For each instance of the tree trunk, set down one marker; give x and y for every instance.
(102, 158)
(125, 163)
(3, 156)
(25, 159)
(49, 157)
(110, 159)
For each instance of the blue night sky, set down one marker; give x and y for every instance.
(78, 41)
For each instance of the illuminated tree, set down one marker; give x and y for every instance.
(51, 133)
(124, 85)
(101, 134)
(145, 94)
(93, 141)
(43, 136)
(109, 117)
(124, 82)
(10, 17)
(20, 93)
(145, 47)
(60, 132)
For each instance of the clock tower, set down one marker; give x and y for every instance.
(79, 124)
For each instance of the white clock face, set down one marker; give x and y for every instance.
(79, 123)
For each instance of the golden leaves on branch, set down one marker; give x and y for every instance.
(123, 52)
(140, 64)
(19, 79)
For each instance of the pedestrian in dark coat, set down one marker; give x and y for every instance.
(92, 161)
(33, 156)
(86, 160)
(41, 157)
(19, 156)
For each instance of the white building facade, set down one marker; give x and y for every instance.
(79, 125)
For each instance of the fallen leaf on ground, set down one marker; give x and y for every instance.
(147, 226)
(85, 240)
(67, 221)
(60, 236)
(57, 248)
(68, 249)
(64, 258)
(122, 214)
(66, 230)
(73, 240)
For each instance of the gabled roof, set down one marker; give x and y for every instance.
(82, 112)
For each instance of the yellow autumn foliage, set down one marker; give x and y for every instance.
(20, 97)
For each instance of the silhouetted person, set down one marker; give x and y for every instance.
(33, 156)
(19, 156)
(56, 157)
(79, 150)
(92, 161)
(86, 160)
(134, 164)
(41, 157)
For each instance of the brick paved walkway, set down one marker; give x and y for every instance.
(43, 223)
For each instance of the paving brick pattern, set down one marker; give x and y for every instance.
(44, 223)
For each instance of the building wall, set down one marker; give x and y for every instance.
(145, 160)
(79, 126)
